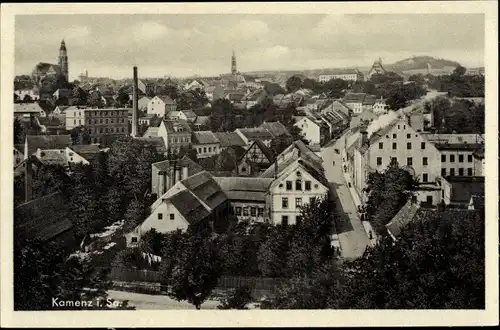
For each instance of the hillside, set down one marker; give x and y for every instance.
(420, 63)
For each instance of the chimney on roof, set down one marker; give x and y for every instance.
(135, 104)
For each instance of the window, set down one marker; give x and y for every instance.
(172, 216)
(284, 220)
(452, 158)
(243, 169)
(308, 185)
(408, 136)
(379, 161)
(425, 177)
(289, 185)
(394, 136)
(311, 200)
(399, 126)
(461, 171)
(394, 145)
(460, 158)
(443, 171)
(381, 145)
(253, 211)
(409, 161)
(204, 149)
(298, 202)
(284, 202)
(425, 161)
(245, 211)
(100, 121)
(443, 158)
(452, 171)
(408, 145)
(469, 158)
(469, 171)
(394, 160)
(209, 149)
(298, 185)
(74, 121)
(134, 239)
(106, 120)
(298, 219)
(260, 212)
(160, 216)
(238, 210)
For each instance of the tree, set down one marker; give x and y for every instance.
(387, 193)
(272, 253)
(336, 87)
(238, 298)
(134, 215)
(293, 84)
(95, 100)
(19, 134)
(188, 151)
(273, 89)
(27, 98)
(152, 242)
(197, 268)
(123, 99)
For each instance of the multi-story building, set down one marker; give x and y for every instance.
(206, 144)
(347, 74)
(376, 68)
(168, 172)
(457, 153)
(175, 133)
(161, 105)
(74, 117)
(102, 124)
(255, 159)
(396, 142)
(354, 101)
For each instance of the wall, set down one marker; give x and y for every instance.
(75, 158)
(74, 118)
(164, 225)
(277, 193)
(207, 150)
(456, 165)
(249, 205)
(310, 130)
(103, 122)
(355, 107)
(156, 106)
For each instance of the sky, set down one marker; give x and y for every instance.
(183, 45)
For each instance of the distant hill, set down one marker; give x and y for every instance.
(420, 63)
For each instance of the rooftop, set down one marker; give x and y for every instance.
(189, 206)
(204, 137)
(256, 133)
(205, 188)
(228, 139)
(47, 142)
(244, 189)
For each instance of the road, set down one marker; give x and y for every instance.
(352, 235)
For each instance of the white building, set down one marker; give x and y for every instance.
(310, 128)
(161, 105)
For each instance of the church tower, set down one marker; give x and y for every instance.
(233, 64)
(63, 59)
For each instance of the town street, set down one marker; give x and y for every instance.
(352, 235)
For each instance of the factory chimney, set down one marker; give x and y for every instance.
(135, 104)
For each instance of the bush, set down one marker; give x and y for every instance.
(236, 299)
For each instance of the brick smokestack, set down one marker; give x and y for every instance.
(28, 178)
(135, 104)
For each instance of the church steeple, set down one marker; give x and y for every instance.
(233, 64)
(63, 59)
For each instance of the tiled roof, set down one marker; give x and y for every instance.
(205, 188)
(151, 132)
(189, 206)
(51, 122)
(202, 120)
(228, 139)
(354, 97)
(405, 215)
(204, 137)
(369, 100)
(27, 107)
(42, 68)
(275, 128)
(156, 142)
(247, 189)
(256, 133)
(53, 157)
(193, 167)
(47, 142)
(167, 100)
(463, 187)
(189, 114)
(87, 151)
(43, 218)
(179, 123)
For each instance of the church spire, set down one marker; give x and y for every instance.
(233, 64)
(63, 59)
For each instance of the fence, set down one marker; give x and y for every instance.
(225, 282)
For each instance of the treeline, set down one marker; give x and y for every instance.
(456, 116)
(458, 84)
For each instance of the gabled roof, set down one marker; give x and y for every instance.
(151, 132)
(228, 139)
(43, 218)
(463, 187)
(256, 133)
(27, 108)
(244, 189)
(190, 114)
(53, 157)
(202, 120)
(156, 142)
(47, 142)
(192, 166)
(265, 150)
(405, 215)
(204, 137)
(42, 68)
(203, 186)
(51, 122)
(275, 128)
(167, 100)
(189, 206)
(87, 151)
(171, 126)
(354, 97)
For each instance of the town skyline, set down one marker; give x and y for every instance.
(204, 43)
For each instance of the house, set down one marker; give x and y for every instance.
(362, 118)
(310, 128)
(63, 157)
(156, 142)
(29, 94)
(190, 201)
(143, 103)
(87, 151)
(377, 147)
(380, 107)
(230, 139)
(151, 132)
(352, 75)
(45, 142)
(298, 181)
(479, 162)
(249, 135)
(163, 176)
(234, 97)
(147, 120)
(403, 218)
(355, 101)
(256, 97)
(368, 102)
(196, 84)
(457, 191)
(59, 110)
(28, 109)
(257, 158)
(457, 152)
(201, 122)
(275, 128)
(62, 94)
(205, 143)
(247, 196)
(335, 106)
(189, 115)
(51, 125)
(214, 93)
(176, 134)
(161, 105)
